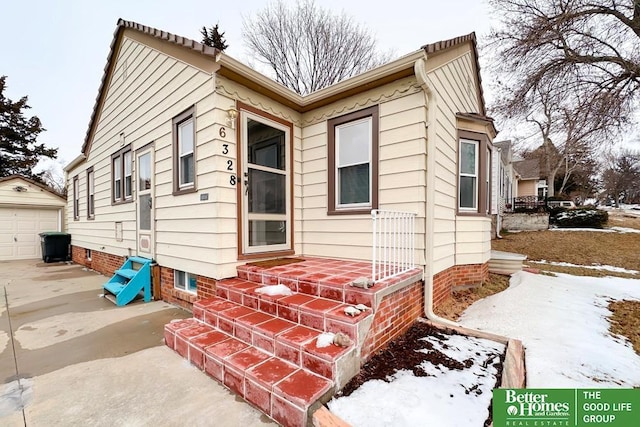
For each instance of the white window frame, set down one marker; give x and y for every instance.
(127, 166)
(181, 155)
(91, 200)
(487, 179)
(116, 184)
(76, 198)
(187, 277)
(338, 165)
(473, 208)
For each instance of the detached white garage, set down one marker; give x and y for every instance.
(27, 208)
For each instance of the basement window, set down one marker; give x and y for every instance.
(87, 254)
(185, 281)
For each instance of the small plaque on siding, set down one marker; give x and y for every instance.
(204, 196)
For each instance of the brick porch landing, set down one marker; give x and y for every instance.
(264, 347)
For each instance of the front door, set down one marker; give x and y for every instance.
(145, 217)
(266, 179)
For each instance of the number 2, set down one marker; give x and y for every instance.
(229, 165)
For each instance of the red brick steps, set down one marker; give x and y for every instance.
(280, 389)
(264, 347)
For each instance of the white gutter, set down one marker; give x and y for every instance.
(420, 69)
(75, 162)
(358, 81)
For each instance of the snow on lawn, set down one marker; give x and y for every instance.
(601, 230)
(563, 324)
(591, 267)
(446, 397)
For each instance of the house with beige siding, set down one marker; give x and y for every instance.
(200, 163)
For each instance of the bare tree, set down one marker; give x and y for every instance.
(568, 135)
(309, 47)
(621, 178)
(580, 52)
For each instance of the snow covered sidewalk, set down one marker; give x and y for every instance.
(563, 324)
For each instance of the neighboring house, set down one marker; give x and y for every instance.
(201, 163)
(529, 182)
(27, 208)
(505, 180)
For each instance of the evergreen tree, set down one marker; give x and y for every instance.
(214, 38)
(19, 151)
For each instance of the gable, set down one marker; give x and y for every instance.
(180, 48)
(142, 84)
(458, 59)
(22, 192)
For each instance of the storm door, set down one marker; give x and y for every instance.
(144, 202)
(266, 184)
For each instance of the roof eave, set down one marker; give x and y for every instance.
(238, 71)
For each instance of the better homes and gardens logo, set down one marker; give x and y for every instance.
(566, 407)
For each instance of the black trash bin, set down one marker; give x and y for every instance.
(55, 245)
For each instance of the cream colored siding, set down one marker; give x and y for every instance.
(227, 92)
(457, 240)
(142, 104)
(402, 162)
(33, 196)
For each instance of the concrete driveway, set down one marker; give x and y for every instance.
(70, 357)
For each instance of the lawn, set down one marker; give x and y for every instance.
(612, 252)
(585, 248)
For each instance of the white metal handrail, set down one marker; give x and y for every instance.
(393, 243)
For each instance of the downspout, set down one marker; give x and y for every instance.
(420, 70)
(499, 197)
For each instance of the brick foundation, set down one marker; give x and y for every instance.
(458, 275)
(206, 289)
(107, 264)
(395, 314)
(101, 262)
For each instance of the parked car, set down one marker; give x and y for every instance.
(561, 204)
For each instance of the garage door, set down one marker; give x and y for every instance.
(19, 229)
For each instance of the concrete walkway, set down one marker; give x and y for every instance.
(70, 357)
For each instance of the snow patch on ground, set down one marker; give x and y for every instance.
(597, 230)
(563, 324)
(325, 339)
(601, 230)
(274, 290)
(590, 267)
(625, 230)
(444, 398)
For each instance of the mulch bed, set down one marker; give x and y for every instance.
(404, 354)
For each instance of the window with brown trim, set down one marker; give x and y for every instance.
(121, 190)
(76, 199)
(353, 162)
(474, 173)
(90, 194)
(184, 152)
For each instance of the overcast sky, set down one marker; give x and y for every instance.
(55, 51)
